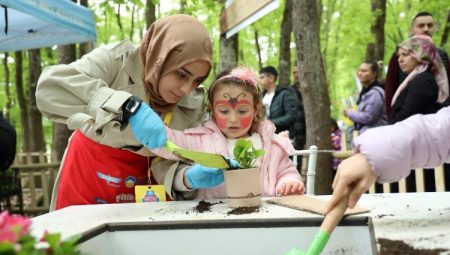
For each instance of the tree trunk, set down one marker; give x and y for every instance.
(87, 47)
(150, 11)
(375, 50)
(285, 42)
(328, 16)
(7, 90)
(37, 131)
(183, 4)
(258, 49)
(332, 55)
(319, 10)
(314, 88)
(50, 56)
(61, 133)
(229, 49)
(26, 140)
(446, 31)
(119, 20)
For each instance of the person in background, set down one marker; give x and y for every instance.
(336, 135)
(237, 112)
(419, 141)
(116, 97)
(300, 124)
(424, 90)
(371, 112)
(8, 142)
(422, 24)
(280, 102)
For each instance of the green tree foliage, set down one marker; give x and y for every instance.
(349, 34)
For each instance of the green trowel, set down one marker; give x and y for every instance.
(199, 157)
(326, 228)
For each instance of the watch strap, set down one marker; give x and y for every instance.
(129, 108)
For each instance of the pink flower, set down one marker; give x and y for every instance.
(12, 227)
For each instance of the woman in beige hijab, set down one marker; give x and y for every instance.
(116, 99)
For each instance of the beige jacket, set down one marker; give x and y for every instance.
(89, 93)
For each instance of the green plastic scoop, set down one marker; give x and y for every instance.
(326, 228)
(199, 157)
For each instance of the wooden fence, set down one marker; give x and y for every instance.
(37, 172)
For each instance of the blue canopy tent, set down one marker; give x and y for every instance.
(32, 24)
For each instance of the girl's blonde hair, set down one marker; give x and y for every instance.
(243, 77)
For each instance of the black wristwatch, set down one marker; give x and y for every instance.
(130, 107)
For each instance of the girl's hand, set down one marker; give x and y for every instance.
(354, 176)
(291, 188)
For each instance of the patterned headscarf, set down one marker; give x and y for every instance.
(423, 50)
(170, 43)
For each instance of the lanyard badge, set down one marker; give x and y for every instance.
(152, 192)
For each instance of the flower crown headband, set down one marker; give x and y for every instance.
(242, 74)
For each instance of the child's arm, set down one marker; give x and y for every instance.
(289, 180)
(419, 141)
(388, 153)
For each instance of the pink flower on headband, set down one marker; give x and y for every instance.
(245, 74)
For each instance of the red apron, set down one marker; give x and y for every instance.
(93, 173)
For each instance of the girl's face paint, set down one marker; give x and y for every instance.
(233, 111)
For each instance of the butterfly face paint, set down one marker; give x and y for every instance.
(233, 111)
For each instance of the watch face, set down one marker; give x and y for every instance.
(133, 105)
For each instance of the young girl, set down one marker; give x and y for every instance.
(237, 112)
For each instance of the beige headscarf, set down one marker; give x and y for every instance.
(170, 43)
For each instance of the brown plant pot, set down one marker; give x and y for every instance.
(243, 187)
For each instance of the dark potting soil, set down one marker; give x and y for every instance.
(379, 216)
(204, 206)
(393, 247)
(244, 210)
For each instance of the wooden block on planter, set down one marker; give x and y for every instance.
(310, 204)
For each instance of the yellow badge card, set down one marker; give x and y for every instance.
(150, 193)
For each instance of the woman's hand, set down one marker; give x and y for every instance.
(346, 111)
(148, 128)
(354, 176)
(291, 188)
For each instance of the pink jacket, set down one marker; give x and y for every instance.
(276, 167)
(419, 141)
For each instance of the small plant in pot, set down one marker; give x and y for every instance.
(243, 184)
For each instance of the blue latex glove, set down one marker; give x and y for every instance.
(233, 163)
(201, 177)
(148, 128)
